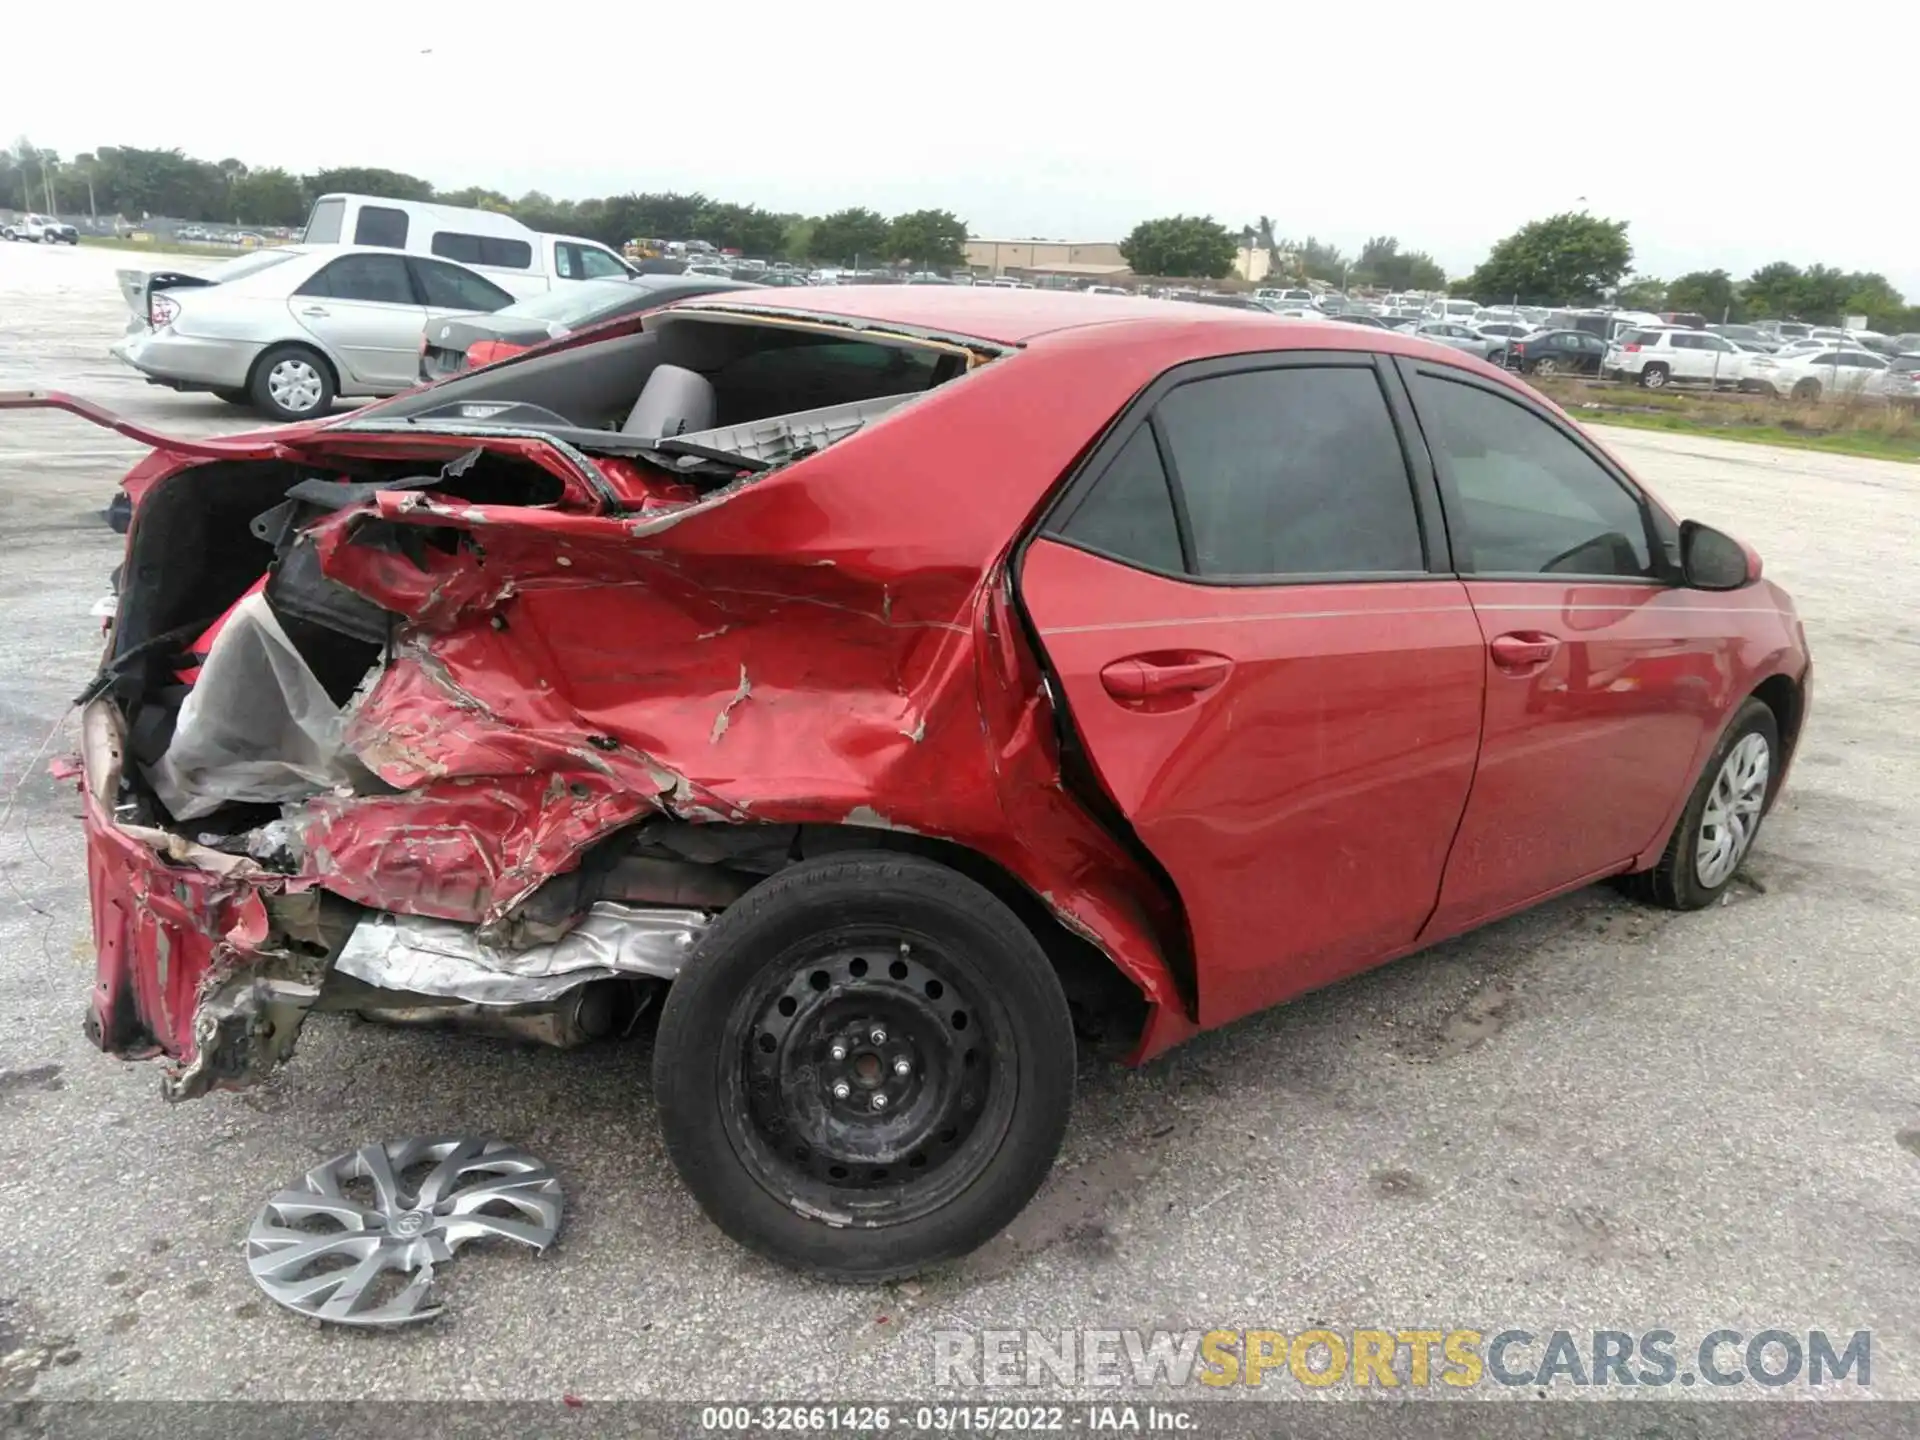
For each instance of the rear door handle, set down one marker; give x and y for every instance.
(1523, 649)
(1141, 677)
(314, 310)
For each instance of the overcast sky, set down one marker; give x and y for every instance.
(1446, 124)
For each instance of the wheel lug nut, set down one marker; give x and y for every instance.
(839, 1051)
(879, 1036)
(841, 1090)
(903, 1067)
(880, 1101)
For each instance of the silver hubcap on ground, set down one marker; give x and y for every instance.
(1733, 810)
(324, 1247)
(294, 385)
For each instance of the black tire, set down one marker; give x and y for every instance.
(1808, 389)
(1675, 882)
(1653, 377)
(749, 1081)
(260, 385)
(234, 397)
(1546, 365)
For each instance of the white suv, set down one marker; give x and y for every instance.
(1657, 357)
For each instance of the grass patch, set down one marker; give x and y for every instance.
(1852, 425)
(1858, 442)
(161, 247)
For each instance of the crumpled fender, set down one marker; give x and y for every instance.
(562, 675)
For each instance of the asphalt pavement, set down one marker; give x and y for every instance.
(1592, 1116)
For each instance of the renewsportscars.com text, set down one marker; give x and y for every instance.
(1456, 1357)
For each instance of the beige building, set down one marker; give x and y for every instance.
(1091, 259)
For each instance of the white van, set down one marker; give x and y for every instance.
(1458, 311)
(519, 260)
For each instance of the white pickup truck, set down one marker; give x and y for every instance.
(37, 228)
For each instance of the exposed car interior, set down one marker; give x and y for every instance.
(692, 393)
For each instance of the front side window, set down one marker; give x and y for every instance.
(1296, 470)
(381, 225)
(597, 264)
(1530, 500)
(381, 279)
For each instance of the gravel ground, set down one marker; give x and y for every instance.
(1593, 1115)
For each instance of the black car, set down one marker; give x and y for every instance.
(451, 346)
(1551, 352)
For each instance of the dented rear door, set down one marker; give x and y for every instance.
(1295, 747)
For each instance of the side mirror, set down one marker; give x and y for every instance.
(1711, 559)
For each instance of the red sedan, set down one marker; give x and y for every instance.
(843, 670)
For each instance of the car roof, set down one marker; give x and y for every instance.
(1029, 317)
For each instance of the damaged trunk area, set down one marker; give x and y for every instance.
(396, 716)
(224, 714)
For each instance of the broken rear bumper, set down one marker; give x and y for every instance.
(180, 933)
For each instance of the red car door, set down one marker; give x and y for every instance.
(1604, 680)
(1244, 599)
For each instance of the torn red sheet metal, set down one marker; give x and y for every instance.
(800, 648)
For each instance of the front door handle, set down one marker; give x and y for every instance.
(1523, 649)
(314, 310)
(1142, 677)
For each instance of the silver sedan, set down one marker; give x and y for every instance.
(287, 330)
(1489, 347)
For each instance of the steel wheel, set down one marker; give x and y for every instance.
(295, 384)
(867, 1078)
(1732, 815)
(865, 1067)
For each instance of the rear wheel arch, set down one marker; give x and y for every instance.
(1107, 1001)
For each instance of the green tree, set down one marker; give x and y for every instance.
(1706, 292)
(475, 197)
(268, 197)
(1643, 292)
(1563, 259)
(1774, 291)
(367, 180)
(1383, 265)
(930, 237)
(746, 228)
(1317, 260)
(799, 243)
(1180, 245)
(850, 236)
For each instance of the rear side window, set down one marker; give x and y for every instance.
(448, 287)
(492, 250)
(379, 278)
(323, 225)
(1292, 471)
(1530, 501)
(1641, 337)
(381, 225)
(1129, 513)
